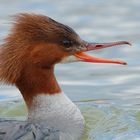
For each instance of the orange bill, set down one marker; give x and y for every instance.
(94, 46)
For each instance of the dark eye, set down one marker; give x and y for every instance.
(67, 43)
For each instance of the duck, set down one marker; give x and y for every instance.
(28, 55)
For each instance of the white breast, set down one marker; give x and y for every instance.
(60, 112)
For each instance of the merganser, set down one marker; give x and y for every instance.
(27, 59)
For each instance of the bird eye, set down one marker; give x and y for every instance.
(67, 43)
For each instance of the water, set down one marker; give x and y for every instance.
(108, 95)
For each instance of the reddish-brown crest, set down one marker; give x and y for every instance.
(28, 55)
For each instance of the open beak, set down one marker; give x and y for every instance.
(94, 46)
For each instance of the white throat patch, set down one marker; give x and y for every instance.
(69, 59)
(60, 112)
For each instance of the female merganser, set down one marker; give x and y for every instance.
(27, 59)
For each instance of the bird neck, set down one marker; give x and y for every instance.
(37, 81)
(48, 105)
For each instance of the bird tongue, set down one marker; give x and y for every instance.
(94, 46)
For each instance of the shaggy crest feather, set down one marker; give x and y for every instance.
(28, 31)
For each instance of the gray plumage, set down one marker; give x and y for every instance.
(24, 130)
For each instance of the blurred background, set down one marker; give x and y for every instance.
(108, 95)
